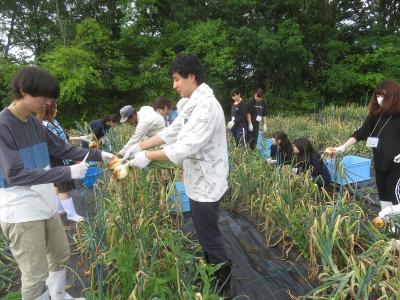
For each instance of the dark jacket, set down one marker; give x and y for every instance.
(319, 171)
(282, 155)
(387, 129)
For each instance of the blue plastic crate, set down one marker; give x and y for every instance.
(180, 200)
(91, 176)
(355, 169)
(264, 147)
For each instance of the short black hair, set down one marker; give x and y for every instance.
(113, 118)
(161, 102)
(35, 82)
(186, 64)
(260, 92)
(235, 91)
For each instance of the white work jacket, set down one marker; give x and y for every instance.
(150, 123)
(197, 140)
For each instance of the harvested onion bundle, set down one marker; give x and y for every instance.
(121, 168)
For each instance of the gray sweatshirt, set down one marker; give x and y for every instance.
(26, 189)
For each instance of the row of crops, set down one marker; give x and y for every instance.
(134, 248)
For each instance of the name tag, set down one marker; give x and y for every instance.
(372, 142)
(233, 119)
(258, 119)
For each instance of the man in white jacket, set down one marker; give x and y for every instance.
(149, 120)
(196, 140)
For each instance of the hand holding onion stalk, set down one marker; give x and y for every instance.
(121, 167)
(333, 151)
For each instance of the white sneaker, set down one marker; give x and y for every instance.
(69, 207)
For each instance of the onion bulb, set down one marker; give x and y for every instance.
(378, 223)
(121, 171)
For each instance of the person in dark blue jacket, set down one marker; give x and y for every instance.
(307, 158)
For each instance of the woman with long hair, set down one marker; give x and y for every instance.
(281, 149)
(307, 158)
(63, 200)
(381, 130)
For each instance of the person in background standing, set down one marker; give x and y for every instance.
(64, 202)
(238, 124)
(173, 113)
(256, 113)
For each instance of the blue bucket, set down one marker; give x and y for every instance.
(91, 176)
(264, 147)
(180, 201)
(356, 169)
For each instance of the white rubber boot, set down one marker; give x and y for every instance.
(60, 208)
(69, 207)
(44, 296)
(56, 285)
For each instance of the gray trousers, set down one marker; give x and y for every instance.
(38, 247)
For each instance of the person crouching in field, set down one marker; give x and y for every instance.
(306, 158)
(28, 214)
(281, 149)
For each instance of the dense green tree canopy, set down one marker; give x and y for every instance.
(109, 53)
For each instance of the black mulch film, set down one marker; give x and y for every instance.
(259, 272)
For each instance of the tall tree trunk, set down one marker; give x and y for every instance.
(62, 28)
(10, 34)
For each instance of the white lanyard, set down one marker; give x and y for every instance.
(382, 126)
(372, 142)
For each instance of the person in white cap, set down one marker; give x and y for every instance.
(149, 120)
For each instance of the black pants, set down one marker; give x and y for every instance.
(388, 185)
(205, 219)
(240, 135)
(253, 136)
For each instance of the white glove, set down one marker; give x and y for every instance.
(265, 128)
(84, 138)
(140, 160)
(397, 159)
(295, 170)
(78, 171)
(230, 124)
(390, 210)
(251, 127)
(131, 152)
(271, 161)
(105, 156)
(340, 149)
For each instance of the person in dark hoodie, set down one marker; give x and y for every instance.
(28, 214)
(306, 158)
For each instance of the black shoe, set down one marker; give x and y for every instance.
(224, 276)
